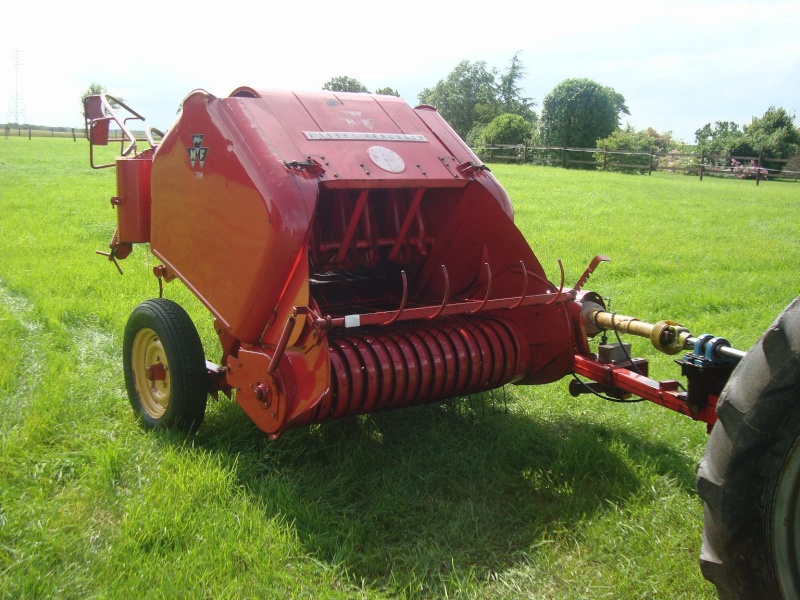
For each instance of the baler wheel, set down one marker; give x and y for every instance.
(164, 365)
(749, 477)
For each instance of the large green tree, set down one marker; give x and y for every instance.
(466, 96)
(473, 94)
(774, 135)
(510, 92)
(578, 112)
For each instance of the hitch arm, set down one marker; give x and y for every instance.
(665, 393)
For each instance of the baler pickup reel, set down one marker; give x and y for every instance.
(448, 305)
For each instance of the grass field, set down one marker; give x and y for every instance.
(527, 493)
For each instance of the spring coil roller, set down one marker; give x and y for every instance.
(407, 365)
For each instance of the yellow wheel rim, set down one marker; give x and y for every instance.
(150, 372)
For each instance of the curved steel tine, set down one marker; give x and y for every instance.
(402, 301)
(561, 288)
(488, 289)
(446, 294)
(524, 285)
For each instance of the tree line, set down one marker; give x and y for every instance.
(487, 107)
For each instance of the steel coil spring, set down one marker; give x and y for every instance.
(407, 365)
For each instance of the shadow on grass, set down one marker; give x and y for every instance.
(410, 500)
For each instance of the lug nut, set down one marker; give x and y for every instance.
(263, 394)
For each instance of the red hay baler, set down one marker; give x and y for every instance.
(357, 256)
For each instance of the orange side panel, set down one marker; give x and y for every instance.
(228, 218)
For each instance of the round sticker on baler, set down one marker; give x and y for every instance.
(386, 159)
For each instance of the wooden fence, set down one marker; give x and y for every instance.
(690, 163)
(76, 133)
(32, 132)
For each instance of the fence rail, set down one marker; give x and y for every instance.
(31, 132)
(690, 163)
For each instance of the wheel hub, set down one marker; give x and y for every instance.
(786, 525)
(151, 372)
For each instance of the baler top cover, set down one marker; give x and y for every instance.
(358, 139)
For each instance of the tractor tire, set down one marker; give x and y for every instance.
(164, 363)
(749, 477)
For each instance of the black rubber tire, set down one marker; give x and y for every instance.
(159, 330)
(749, 477)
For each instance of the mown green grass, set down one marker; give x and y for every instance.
(523, 493)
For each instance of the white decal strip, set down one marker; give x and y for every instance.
(364, 136)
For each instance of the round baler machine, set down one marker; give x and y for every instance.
(357, 257)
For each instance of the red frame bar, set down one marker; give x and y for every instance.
(412, 212)
(425, 312)
(664, 393)
(351, 226)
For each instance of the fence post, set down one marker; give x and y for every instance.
(524, 153)
(73, 135)
(29, 132)
(702, 163)
(758, 168)
(605, 149)
(650, 167)
(563, 157)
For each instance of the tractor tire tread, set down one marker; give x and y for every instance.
(732, 475)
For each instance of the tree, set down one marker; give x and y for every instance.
(343, 83)
(774, 135)
(578, 112)
(387, 91)
(506, 129)
(95, 89)
(510, 93)
(724, 137)
(472, 95)
(629, 139)
(467, 96)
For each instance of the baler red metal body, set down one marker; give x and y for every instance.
(356, 256)
(360, 238)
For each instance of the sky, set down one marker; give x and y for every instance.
(679, 64)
